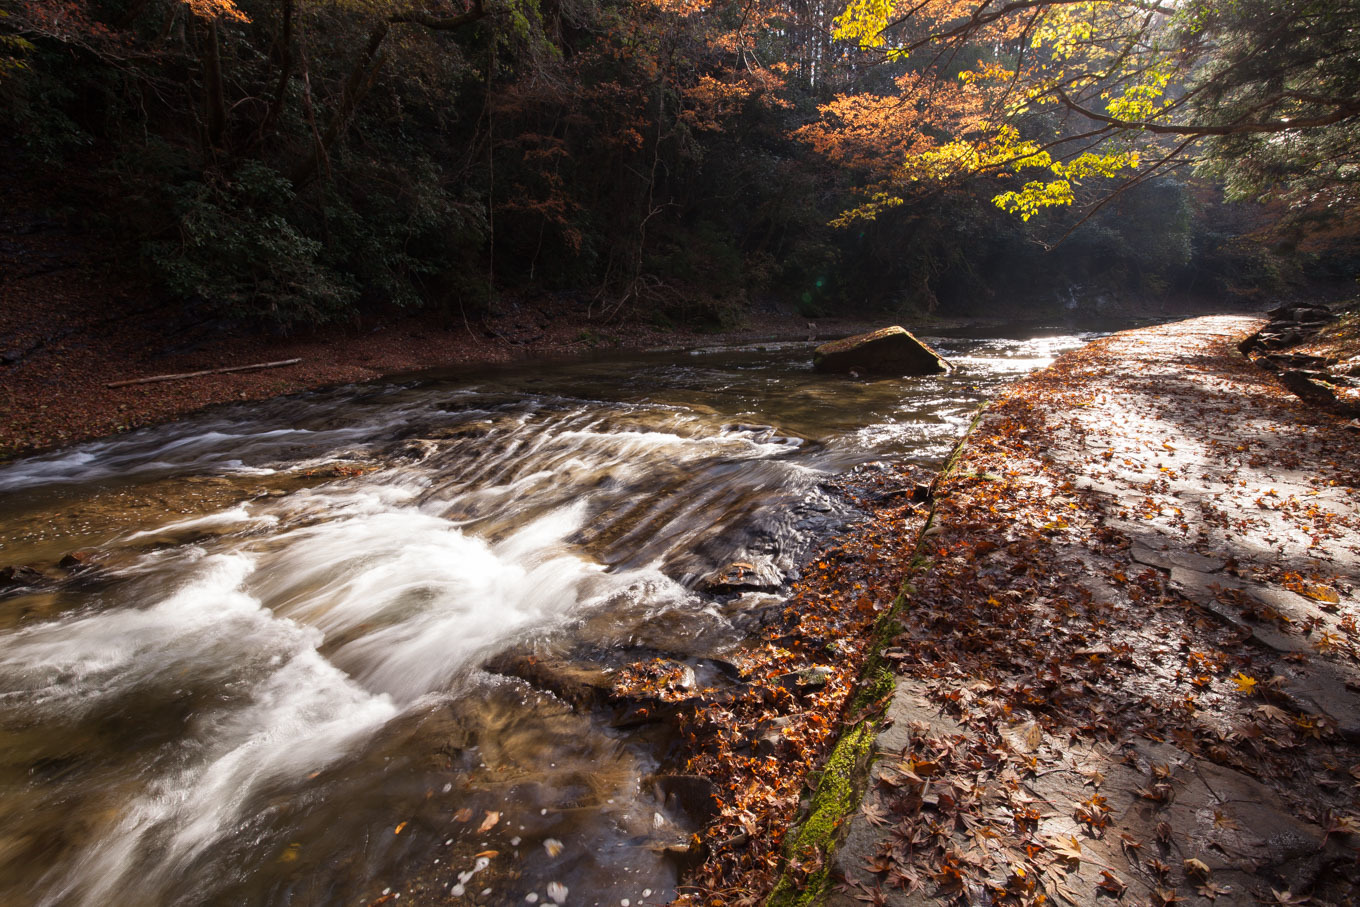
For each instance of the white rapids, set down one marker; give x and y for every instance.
(286, 698)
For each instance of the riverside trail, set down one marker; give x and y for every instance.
(1128, 669)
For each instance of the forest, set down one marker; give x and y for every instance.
(286, 163)
(434, 468)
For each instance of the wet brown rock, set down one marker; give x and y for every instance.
(694, 795)
(582, 686)
(20, 577)
(888, 351)
(78, 560)
(755, 575)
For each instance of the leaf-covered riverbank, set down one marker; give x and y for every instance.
(1130, 669)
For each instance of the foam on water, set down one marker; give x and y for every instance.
(227, 659)
(413, 600)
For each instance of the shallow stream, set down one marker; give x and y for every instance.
(260, 655)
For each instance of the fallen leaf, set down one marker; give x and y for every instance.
(397, 830)
(1318, 593)
(1244, 683)
(1211, 890)
(1066, 847)
(1223, 820)
(1025, 737)
(1111, 884)
(490, 821)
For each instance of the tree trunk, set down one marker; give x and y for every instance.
(215, 96)
(286, 58)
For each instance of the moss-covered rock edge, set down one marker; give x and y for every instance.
(839, 788)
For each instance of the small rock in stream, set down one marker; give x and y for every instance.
(693, 795)
(806, 680)
(758, 574)
(581, 686)
(887, 351)
(20, 577)
(79, 559)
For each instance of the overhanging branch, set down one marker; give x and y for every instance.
(1344, 110)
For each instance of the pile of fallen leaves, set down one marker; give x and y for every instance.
(757, 738)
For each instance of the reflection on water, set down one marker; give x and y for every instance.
(275, 673)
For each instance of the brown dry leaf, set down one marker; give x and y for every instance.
(1274, 713)
(397, 830)
(1065, 847)
(1343, 825)
(1211, 890)
(1318, 593)
(1196, 869)
(1111, 884)
(463, 815)
(490, 821)
(1223, 820)
(1026, 737)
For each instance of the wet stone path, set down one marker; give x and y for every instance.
(1130, 672)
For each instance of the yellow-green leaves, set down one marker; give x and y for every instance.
(1003, 150)
(863, 21)
(1037, 195)
(1144, 99)
(876, 205)
(1067, 30)
(1034, 197)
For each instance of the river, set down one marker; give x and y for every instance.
(256, 658)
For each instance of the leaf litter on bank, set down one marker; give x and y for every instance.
(1034, 613)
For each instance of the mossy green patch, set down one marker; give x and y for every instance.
(838, 793)
(808, 848)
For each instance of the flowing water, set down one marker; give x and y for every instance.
(273, 673)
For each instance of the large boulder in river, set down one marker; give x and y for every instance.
(887, 351)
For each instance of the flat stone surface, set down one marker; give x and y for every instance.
(1233, 495)
(910, 705)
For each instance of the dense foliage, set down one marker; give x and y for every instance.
(302, 161)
